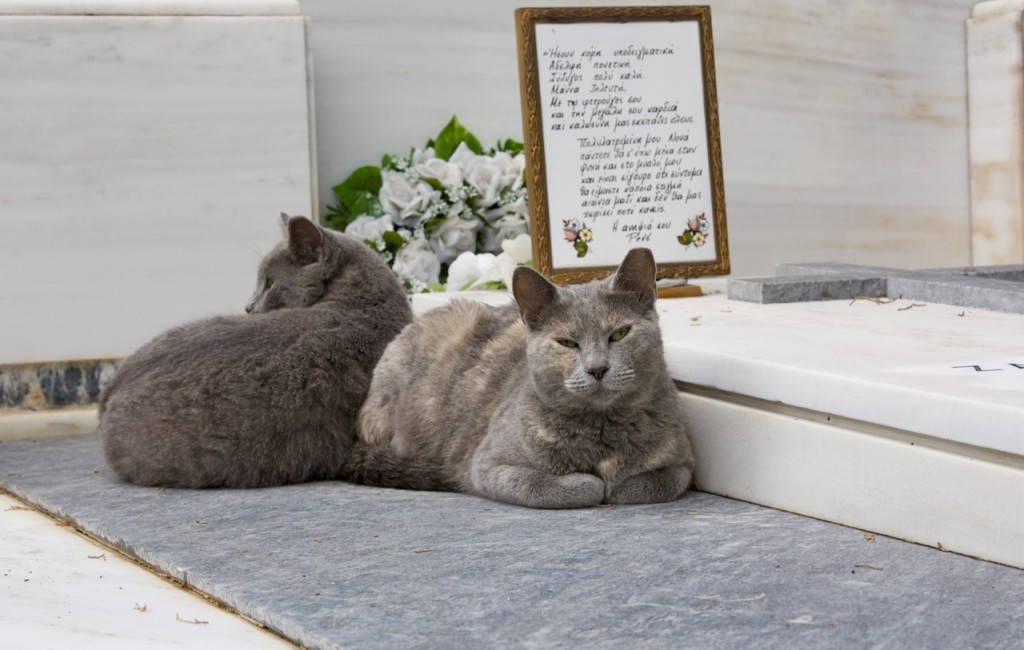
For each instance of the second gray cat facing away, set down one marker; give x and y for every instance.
(562, 400)
(265, 399)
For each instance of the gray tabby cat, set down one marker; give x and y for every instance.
(564, 403)
(266, 399)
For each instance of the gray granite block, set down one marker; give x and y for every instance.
(997, 288)
(977, 292)
(332, 565)
(804, 288)
(1009, 272)
(832, 268)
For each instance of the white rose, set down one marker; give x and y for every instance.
(452, 236)
(369, 228)
(467, 269)
(517, 207)
(512, 169)
(504, 229)
(504, 267)
(492, 175)
(415, 261)
(447, 173)
(486, 177)
(421, 155)
(519, 249)
(406, 201)
(462, 155)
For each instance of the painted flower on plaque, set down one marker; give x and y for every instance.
(578, 234)
(696, 233)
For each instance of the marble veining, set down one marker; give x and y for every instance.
(333, 565)
(995, 76)
(146, 160)
(60, 590)
(150, 7)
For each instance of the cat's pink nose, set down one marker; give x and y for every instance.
(598, 372)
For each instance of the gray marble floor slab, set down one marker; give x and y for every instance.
(332, 565)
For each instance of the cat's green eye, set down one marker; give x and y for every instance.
(618, 334)
(569, 343)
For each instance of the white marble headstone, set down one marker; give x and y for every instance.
(146, 151)
(995, 76)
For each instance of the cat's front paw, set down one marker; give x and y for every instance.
(577, 491)
(656, 486)
(534, 488)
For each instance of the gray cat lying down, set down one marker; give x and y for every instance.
(266, 399)
(564, 402)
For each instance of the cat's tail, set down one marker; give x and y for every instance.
(378, 466)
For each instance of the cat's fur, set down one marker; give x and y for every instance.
(544, 406)
(265, 399)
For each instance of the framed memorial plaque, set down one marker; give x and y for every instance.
(620, 122)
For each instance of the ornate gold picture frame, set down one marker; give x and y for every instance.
(620, 123)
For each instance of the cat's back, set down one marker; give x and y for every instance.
(448, 369)
(452, 338)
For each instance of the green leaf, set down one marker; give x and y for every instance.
(392, 240)
(451, 136)
(431, 224)
(686, 238)
(433, 182)
(367, 179)
(434, 286)
(358, 202)
(337, 218)
(494, 285)
(581, 248)
(511, 147)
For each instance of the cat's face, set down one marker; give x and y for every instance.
(293, 274)
(594, 353)
(591, 343)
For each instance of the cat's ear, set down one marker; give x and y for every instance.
(305, 239)
(637, 276)
(533, 293)
(284, 222)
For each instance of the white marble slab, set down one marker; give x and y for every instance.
(60, 590)
(23, 423)
(844, 125)
(995, 75)
(818, 466)
(145, 161)
(151, 7)
(905, 365)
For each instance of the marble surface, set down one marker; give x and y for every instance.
(23, 423)
(935, 370)
(843, 125)
(930, 369)
(60, 590)
(995, 77)
(146, 160)
(150, 7)
(343, 566)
